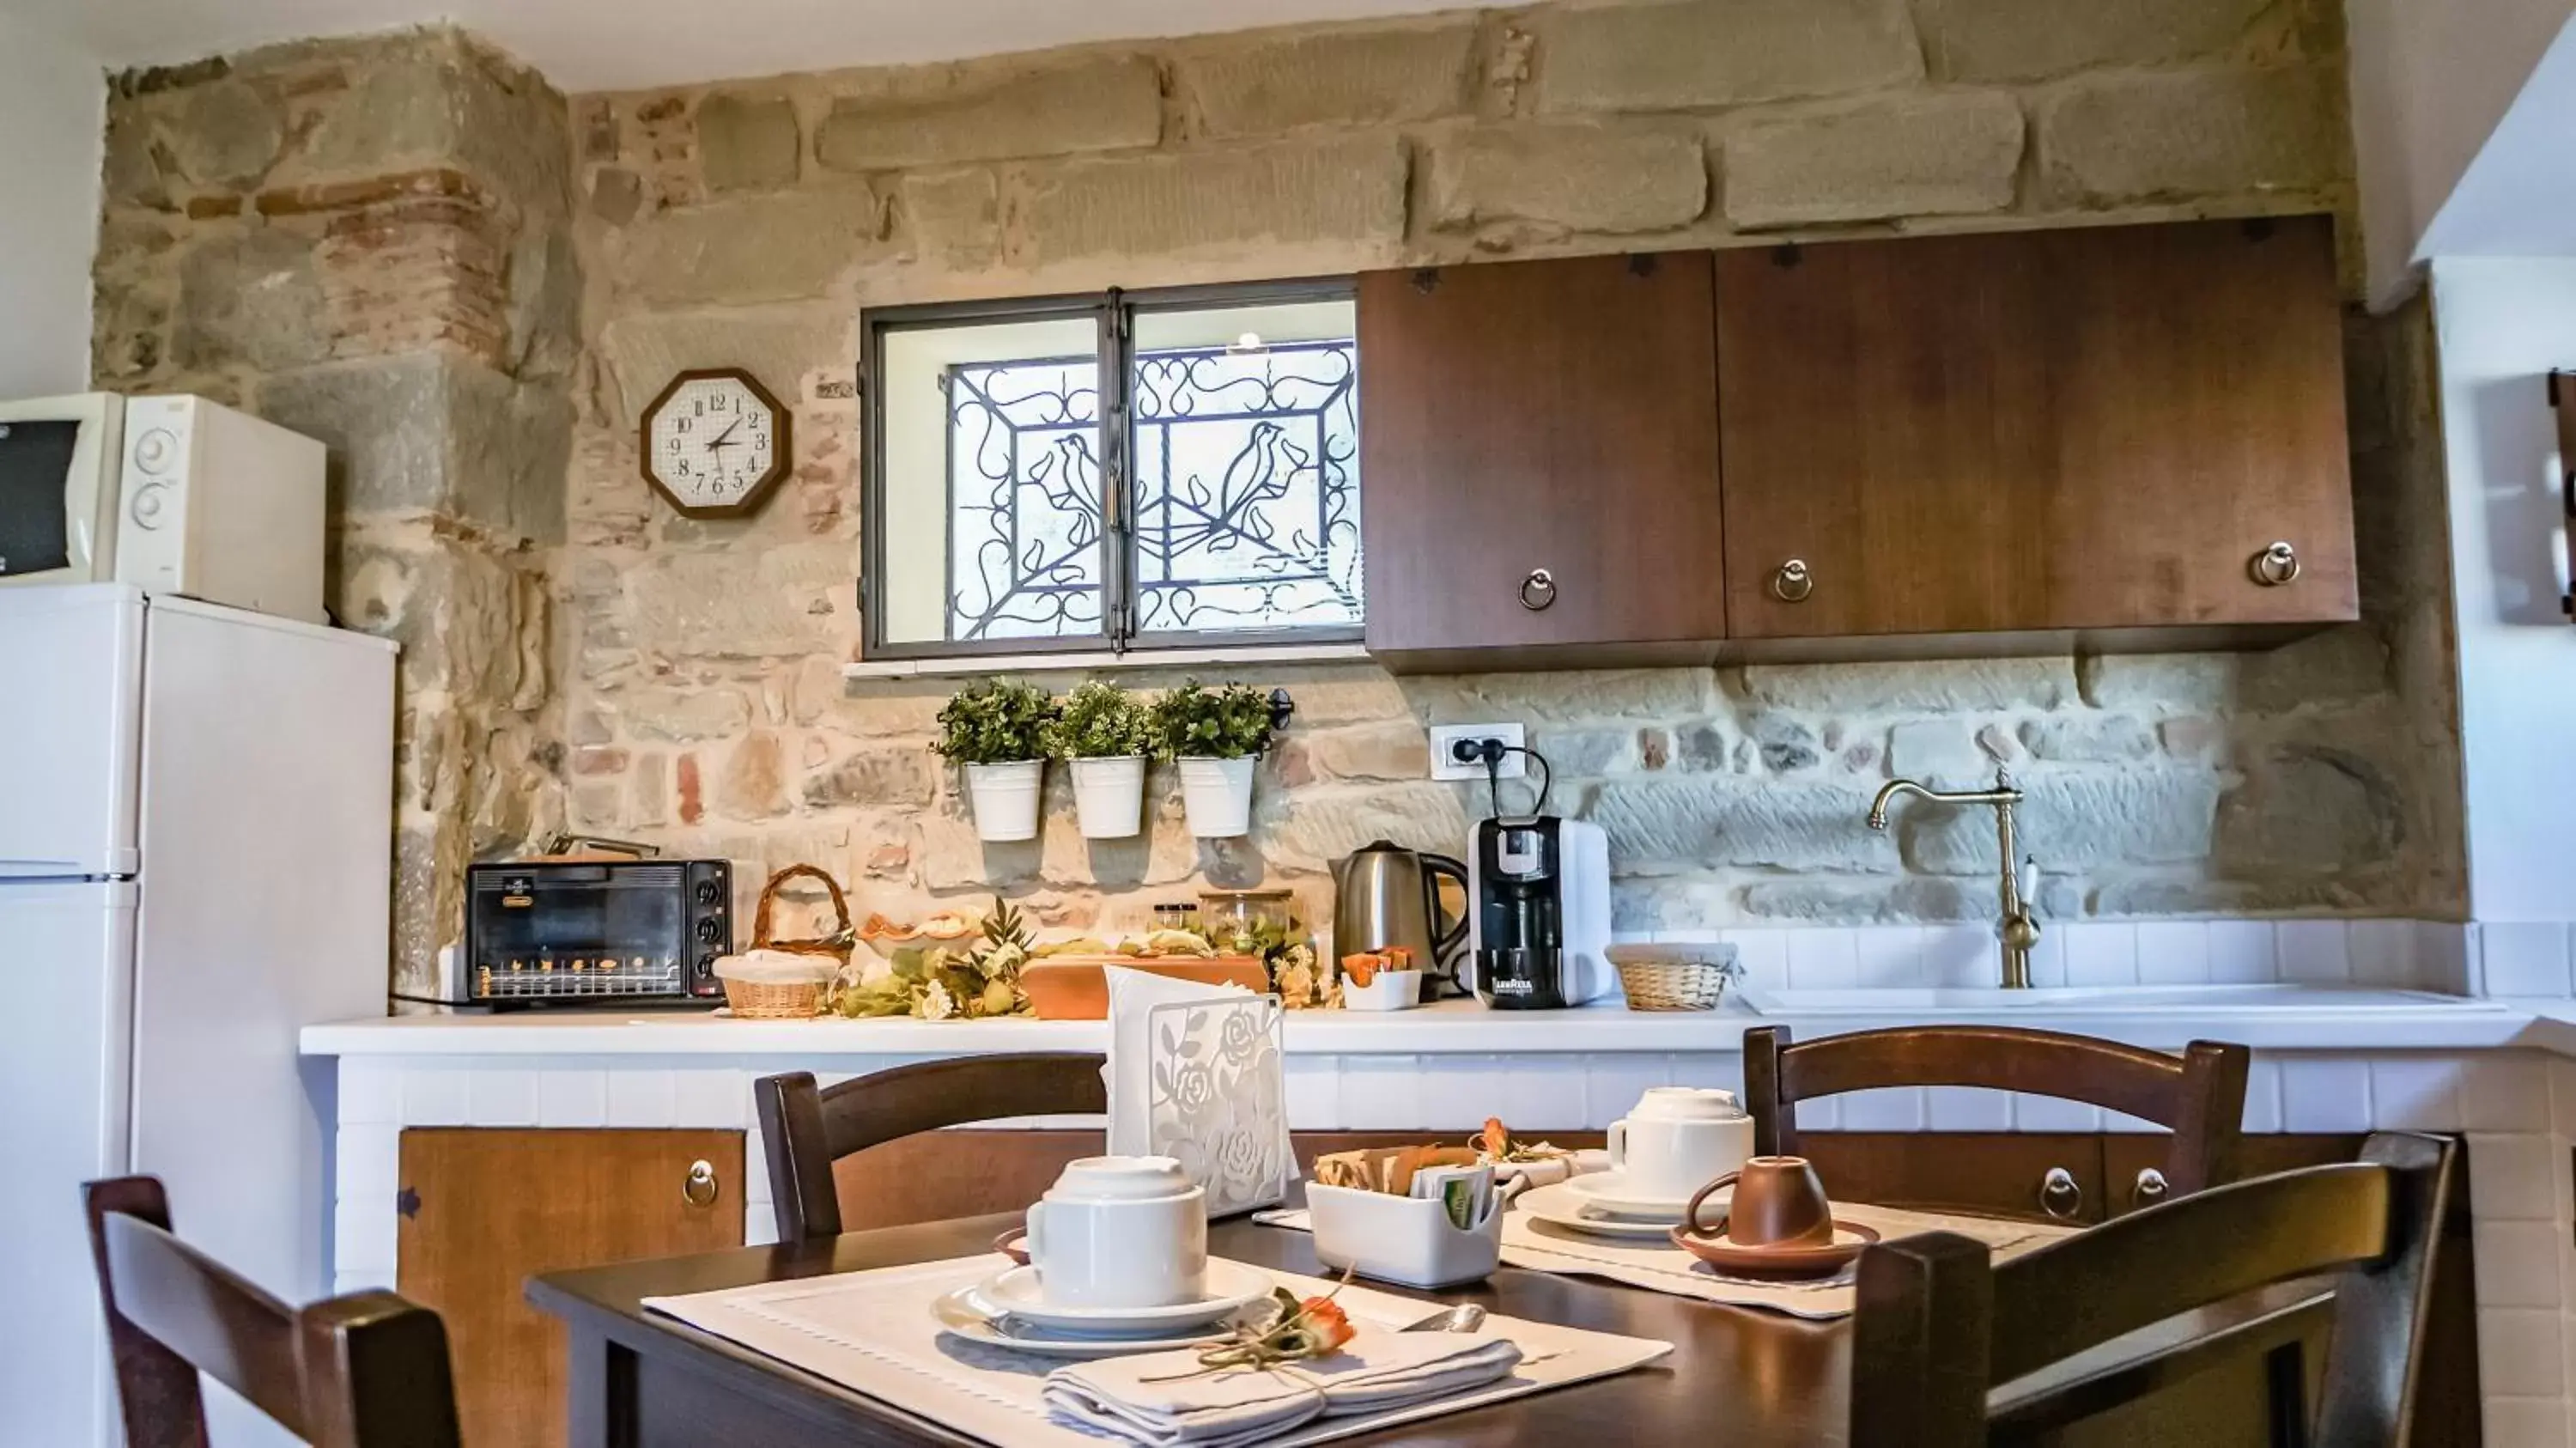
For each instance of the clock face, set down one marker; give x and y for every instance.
(714, 442)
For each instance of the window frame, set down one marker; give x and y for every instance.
(1113, 312)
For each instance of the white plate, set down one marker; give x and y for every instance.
(1039, 1342)
(1229, 1286)
(1609, 1190)
(1561, 1206)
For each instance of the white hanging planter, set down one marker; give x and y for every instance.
(1218, 795)
(1006, 798)
(1109, 796)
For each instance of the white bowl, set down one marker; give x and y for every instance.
(1387, 990)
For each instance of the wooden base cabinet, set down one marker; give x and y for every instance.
(484, 1210)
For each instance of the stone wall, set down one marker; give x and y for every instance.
(747, 223)
(366, 240)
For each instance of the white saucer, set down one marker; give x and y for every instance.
(1009, 1333)
(1561, 1205)
(1609, 1190)
(1017, 1293)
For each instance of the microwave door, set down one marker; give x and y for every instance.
(42, 530)
(71, 687)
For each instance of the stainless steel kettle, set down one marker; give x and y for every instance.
(1386, 895)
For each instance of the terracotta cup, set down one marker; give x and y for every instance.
(1778, 1202)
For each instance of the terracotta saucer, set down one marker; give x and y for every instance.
(1786, 1262)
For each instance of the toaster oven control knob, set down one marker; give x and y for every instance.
(150, 501)
(707, 931)
(707, 892)
(156, 450)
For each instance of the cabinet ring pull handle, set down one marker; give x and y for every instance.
(701, 1187)
(2275, 566)
(2152, 1187)
(2059, 1196)
(1792, 582)
(1538, 590)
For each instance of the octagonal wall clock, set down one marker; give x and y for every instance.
(715, 443)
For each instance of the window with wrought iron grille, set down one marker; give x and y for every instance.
(1128, 471)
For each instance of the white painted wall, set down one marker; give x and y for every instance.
(2431, 79)
(2503, 325)
(53, 117)
(2518, 198)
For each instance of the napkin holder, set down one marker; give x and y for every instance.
(1409, 1241)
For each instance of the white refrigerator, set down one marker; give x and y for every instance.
(195, 844)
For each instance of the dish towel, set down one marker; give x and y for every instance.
(1165, 1401)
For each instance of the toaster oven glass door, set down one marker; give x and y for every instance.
(585, 939)
(39, 532)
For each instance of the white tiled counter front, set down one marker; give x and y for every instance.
(2500, 1072)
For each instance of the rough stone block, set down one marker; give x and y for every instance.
(1719, 52)
(877, 775)
(1572, 697)
(777, 344)
(2309, 809)
(448, 604)
(1348, 192)
(683, 714)
(1943, 753)
(1844, 902)
(753, 783)
(708, 605)
(224, 134)
(1998, 40)
(784, 247)
(2074, 822)
(1587, 753)
(1786, 745)
(2152, 135)
(992, 110)
(2089, 738)
(255, 299)
(1380, 75)
(434, 97)
(953, 218)
(748, 143)
(1397, 750)
(1683, 823)
(1932, 686)
(434, 434)
(1326, 823)
(1940, 155)
(1570, 177)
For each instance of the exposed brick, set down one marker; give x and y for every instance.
(2152, 135)
(440, 181)
(988, 111)
(1988, 40)
(1570, 177)
(1719, 52)
(1917, 156)
(1376, 75)
(1307, 191)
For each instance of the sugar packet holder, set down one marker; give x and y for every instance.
(1407, 1240)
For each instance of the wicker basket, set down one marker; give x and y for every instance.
(1675, 978)
(766, 1001)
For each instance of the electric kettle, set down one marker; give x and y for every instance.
(1387, 896)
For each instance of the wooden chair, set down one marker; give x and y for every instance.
(368, 1370)
(805, 1129)
(2200, 1096)
(1939, 1326)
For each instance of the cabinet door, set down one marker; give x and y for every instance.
(1553, 417)
(1997, 1174)
(2064, 430)
(485, 1210)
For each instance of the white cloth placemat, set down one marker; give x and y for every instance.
(1662, 1267)
(873, 1332)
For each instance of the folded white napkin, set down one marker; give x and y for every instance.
(1377, 1370)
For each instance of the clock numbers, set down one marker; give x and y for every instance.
(714, 442)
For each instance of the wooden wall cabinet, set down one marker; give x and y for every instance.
(2056, 431)
(1538, 463)
(484, 1210)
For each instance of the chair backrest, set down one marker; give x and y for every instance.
(1938, 1325)
(368, 1370)
(2200, 1095)
(805, 1129)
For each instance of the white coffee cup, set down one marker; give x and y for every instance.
(1677, 1139)
(1120, 1231)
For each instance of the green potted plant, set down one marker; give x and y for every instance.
(1217, 736)
(1103, 732)
(996, 729)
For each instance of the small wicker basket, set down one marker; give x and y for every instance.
(792, 1000)
(1675, 977)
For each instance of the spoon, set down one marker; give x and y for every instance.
(1457, 1317)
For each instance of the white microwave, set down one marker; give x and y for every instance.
(170, 494)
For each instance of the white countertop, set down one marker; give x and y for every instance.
(2317, 1022)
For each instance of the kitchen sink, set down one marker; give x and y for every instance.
(2070, 1000)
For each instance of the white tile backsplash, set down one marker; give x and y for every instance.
(2382, 952)
(2242, 952)
(1968, 956)
(643, 1099)
(2504, 1091)
(1967, 1108)
(572, 1098)
(2173, 952)
(2325, 1094)
(1825, 958)
(2316, 952)
(1890, 956)
(2415, 1093)
(1764, 954)
(437, 1095)
(1887, 1109)
(502, 1096)
(2101, 952)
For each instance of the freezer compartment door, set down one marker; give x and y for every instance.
(71, 681)
(66, 953)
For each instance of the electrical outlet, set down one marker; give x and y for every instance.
(1445, 738)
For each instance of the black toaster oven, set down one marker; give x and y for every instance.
(595, 932)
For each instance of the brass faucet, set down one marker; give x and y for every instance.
(2019, 929)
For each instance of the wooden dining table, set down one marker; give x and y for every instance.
(1736, 1378)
